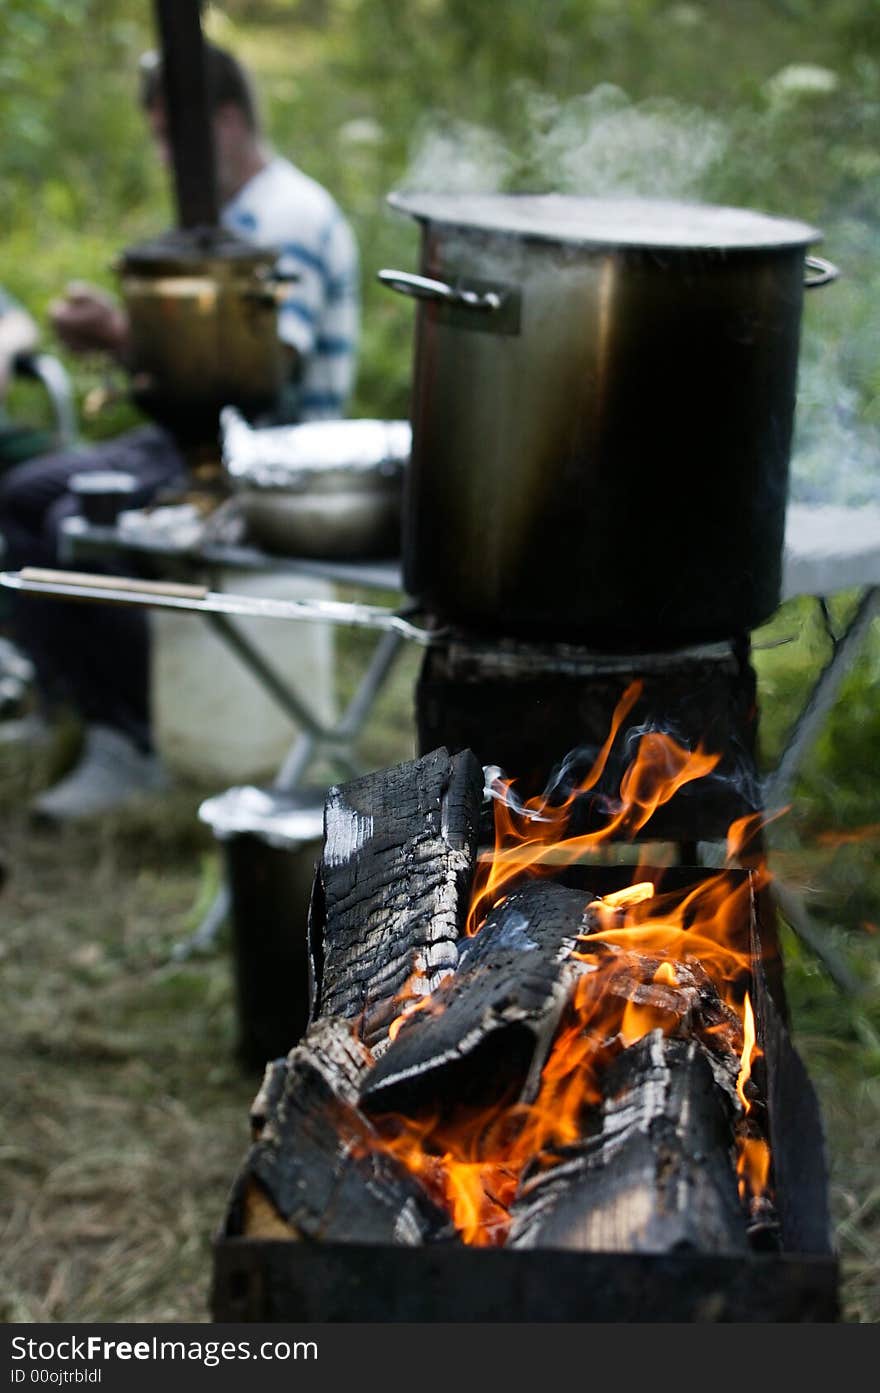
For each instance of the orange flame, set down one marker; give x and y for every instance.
(531, 837)
(641, 954)
(753, 1153)
(416, 995)
(749, 1052)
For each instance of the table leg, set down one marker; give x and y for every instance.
(205, 935)
(343, 735)
(315, 738)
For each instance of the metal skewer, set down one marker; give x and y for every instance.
(196, 599)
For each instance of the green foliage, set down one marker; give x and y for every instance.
(73, 151)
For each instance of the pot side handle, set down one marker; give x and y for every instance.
(824, 272)
(422, 288)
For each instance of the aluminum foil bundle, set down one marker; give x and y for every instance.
(291, 457)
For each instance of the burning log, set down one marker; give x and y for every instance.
(581, 1077)
(682, 1000)
(314, 1171)
(496, 1017)
(657, 1176)
(394, 885)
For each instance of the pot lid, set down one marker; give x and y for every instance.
(610, 222)
(192, 247)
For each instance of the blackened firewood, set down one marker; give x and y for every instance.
(269, 1095)
(398, 860)
(316, 1160)
(492, 1023)
(658, 1174)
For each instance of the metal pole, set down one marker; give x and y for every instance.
(777, 786)
(190, 132)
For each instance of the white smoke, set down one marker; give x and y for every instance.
(598, 144)
(458, 158)
(603, 145)
(836, 457)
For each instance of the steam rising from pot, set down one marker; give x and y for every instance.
(598, 143)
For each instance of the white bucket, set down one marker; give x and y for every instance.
(212, 720)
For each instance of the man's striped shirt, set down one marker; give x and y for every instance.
(284, 208)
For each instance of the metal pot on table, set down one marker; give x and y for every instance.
(329, 489)
(203, 310)
(602, 413)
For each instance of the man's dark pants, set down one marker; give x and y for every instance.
(96, 656)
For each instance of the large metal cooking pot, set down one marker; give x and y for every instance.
(204, 329)
(602, 414)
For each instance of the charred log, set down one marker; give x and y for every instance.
(269, 1096)
(658, 1174)
(315, 1171)
(491, 1025)
(399, 854)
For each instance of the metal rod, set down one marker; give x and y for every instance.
(192, 600)
(778, 784)
(205, 935)
(371, 683)
(296, 763)
(190, 130)
(802, 924)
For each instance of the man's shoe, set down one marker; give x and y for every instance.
(112, 772)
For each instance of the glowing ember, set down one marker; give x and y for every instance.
(647, 954)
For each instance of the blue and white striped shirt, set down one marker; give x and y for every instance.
(284, 208)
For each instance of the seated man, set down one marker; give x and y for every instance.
(98, 658)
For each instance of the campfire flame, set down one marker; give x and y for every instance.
(530, 837)
(753, 1159)
(640, 947)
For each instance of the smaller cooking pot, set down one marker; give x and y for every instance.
(203, 316)
(321, 489)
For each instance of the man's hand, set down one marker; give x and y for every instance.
(87, 319)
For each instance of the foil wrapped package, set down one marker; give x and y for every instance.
(297, 457)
